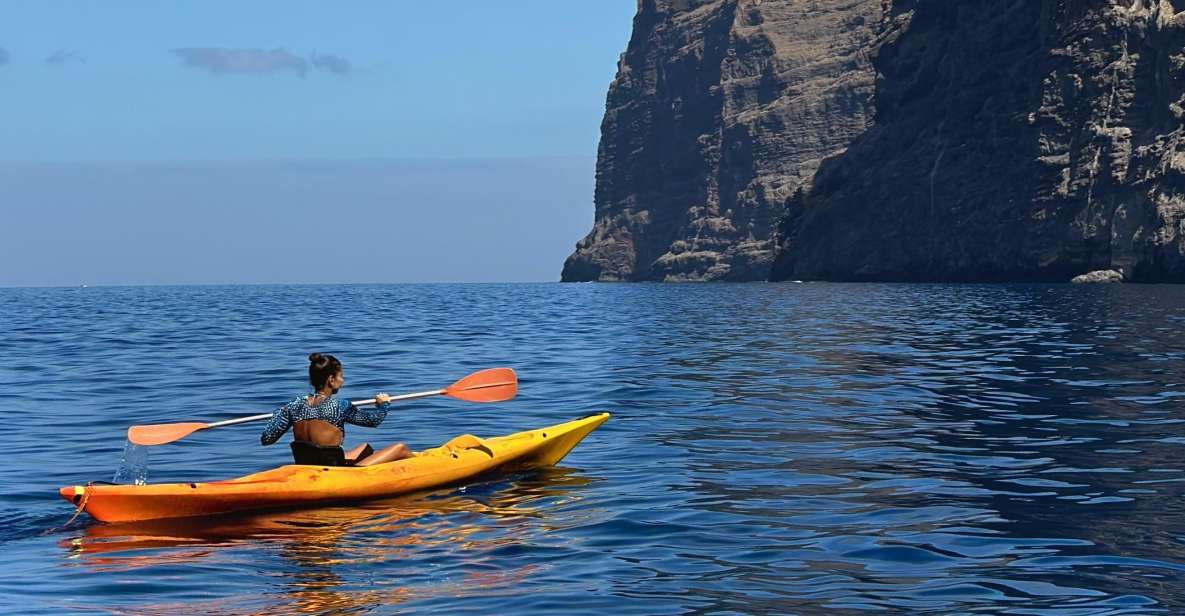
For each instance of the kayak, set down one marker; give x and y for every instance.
(461, 458)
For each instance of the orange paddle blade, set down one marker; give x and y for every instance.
(159, 434)
(493, 385)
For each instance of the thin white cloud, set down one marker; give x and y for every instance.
(329, 62)
(65, 57)
(222, 61)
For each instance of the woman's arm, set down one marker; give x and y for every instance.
(368, 417)
(276, 426)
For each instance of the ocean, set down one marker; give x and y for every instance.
(774, 448)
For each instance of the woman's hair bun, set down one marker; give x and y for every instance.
(321, 367)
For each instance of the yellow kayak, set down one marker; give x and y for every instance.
(460, 458)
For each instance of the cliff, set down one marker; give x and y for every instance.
(1013, 140)
(720, 110)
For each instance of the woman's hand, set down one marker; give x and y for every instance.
(381, 398)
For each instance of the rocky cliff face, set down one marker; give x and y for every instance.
(1013, 140)
(721, 109)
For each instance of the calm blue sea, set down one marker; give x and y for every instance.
(774, 448)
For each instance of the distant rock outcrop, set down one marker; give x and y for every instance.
(721, 109)
(1098, 276)
(1013, 140)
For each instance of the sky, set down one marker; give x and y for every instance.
(467, 129)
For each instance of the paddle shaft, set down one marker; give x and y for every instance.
(422, 394)
(490, 385)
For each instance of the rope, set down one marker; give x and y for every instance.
(86, 494)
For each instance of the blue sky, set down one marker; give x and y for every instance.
(100, 94)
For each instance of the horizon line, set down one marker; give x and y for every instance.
(273, 284)
(293, 160)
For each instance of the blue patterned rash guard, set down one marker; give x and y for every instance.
(334, 410)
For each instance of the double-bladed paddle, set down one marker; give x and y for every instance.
(492, 385)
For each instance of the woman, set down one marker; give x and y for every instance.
(318, 421)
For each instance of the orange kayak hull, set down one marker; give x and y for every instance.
(460, 458)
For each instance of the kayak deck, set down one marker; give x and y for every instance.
(460, 458)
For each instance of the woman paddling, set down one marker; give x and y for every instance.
(318, 421)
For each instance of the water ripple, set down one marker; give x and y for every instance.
(774, 449)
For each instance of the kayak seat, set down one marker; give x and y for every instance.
(304, 452)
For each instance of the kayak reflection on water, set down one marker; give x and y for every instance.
(393, 533)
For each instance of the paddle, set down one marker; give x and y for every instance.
(492, 385)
